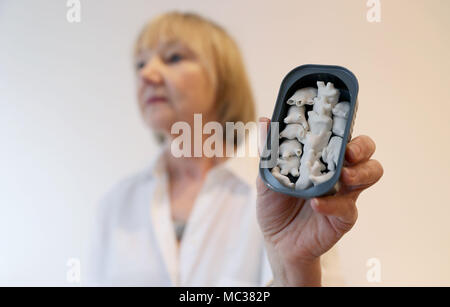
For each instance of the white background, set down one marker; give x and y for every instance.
(69, 125)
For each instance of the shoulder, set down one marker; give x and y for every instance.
(126, 185)
(120, 193)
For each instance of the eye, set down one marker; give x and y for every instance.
(174, 58)
(140, 65)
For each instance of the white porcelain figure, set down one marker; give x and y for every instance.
(289, 165)
(303, 96)
(284, 180)
(319, 123)
(341, 112)
(306, 162)
(330, 154)
(316, 168)
(290, 148)
(293, 131)
(339, 126)
(342, 109)
(316, 142)
(328, 91)
(322, 106)
(321, 178)
(296, 115)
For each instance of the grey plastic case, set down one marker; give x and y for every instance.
(307, 76)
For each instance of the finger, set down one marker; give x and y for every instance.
(363, 174)
(263, 127)
(359, 149)
(342, 208)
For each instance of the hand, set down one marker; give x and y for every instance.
(298, 231)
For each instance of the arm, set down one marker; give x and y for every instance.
(298, 231)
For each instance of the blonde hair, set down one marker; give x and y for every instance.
(219, 53)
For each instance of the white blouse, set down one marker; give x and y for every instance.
(134, 242)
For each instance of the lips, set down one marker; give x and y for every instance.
(156, 99)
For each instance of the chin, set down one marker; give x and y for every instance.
(159, 119)
(159, 124)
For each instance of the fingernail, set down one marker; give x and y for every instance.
(355, 150)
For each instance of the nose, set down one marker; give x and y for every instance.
(152, 72)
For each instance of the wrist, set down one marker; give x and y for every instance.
(299, 274)
(289, 271)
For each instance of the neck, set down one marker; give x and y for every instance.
(189, 167)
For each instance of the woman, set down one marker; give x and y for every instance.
(192, 221)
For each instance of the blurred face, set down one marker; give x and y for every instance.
(172, 86)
